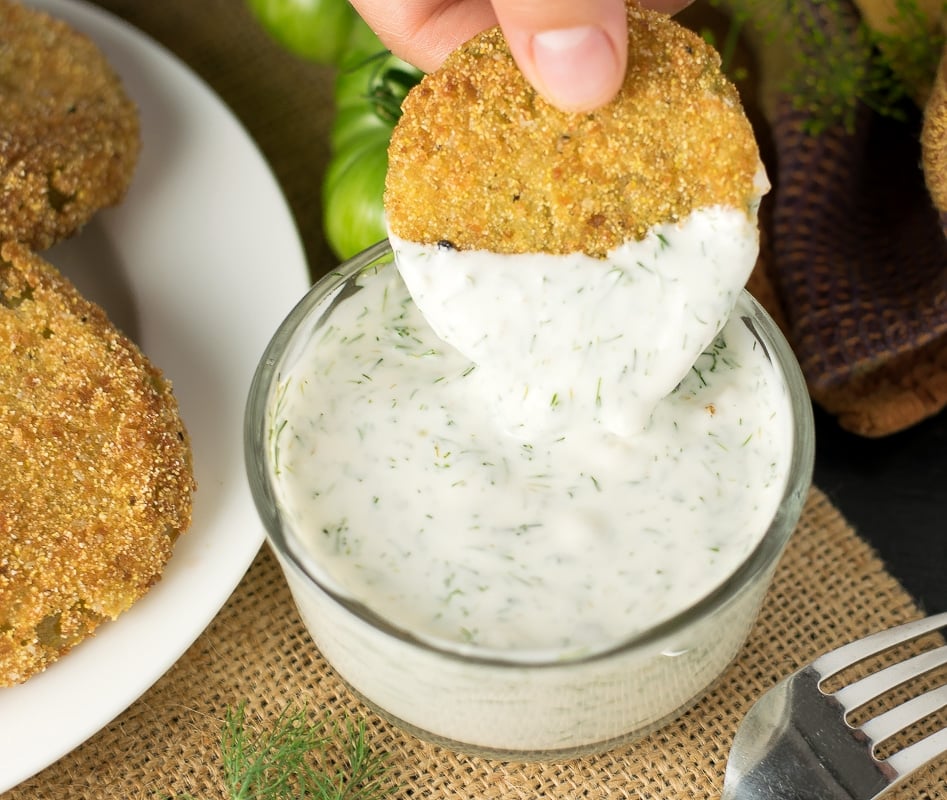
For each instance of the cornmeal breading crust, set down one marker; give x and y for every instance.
(69, 134)
(95, 467)
(480, 160)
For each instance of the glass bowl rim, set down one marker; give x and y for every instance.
(754, 565)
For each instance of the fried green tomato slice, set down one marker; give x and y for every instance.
(69, 134)
(96, 475)
(480, 160)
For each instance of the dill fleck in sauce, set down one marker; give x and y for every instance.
(425, 493)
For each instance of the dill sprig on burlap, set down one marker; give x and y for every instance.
(300, 759)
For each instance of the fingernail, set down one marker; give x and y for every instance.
(576, 67)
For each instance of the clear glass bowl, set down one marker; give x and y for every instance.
(503, 708)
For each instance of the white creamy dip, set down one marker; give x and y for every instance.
(438, 508)
(562, 341)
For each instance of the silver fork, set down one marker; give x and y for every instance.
(796, 742)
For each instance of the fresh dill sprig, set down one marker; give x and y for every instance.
(838, 61)
(299, 759)
(362, 775)
(912, 47)
(270, 763)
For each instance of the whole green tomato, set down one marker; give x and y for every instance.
(369, 89)
(351, 122)
(353, 213)
(318, 30)
(370, 86)
(362, 42)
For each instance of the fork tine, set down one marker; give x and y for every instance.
(836, 660)
(915, 756)
(897, 719)
(868, 688)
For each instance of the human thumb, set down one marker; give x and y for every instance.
(574, 52)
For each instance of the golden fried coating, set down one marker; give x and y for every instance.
(479, 159)
(69, 135)
(95, 467)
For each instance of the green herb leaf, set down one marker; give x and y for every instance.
(299, 759)
(837, 62)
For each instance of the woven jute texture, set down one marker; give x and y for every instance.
(829, 588)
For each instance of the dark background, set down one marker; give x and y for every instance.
(893, 491)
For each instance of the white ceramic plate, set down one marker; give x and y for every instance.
(199, 265)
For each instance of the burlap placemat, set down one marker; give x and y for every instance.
(829, 588)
